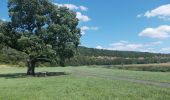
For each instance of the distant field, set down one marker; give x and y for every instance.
(84, 83)
(149, 65)
(157, 67)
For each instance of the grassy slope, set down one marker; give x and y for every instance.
(76, 87)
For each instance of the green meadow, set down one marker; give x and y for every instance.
(84, 83)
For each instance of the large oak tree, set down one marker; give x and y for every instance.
(42, 30)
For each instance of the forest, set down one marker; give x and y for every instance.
(90, 56)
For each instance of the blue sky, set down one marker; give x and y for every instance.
(133, 25)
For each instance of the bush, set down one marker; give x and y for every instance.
(21, 64)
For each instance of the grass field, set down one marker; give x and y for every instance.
(84, 83)
(155, 67)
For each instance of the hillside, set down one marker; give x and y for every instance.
(92, 56)
(10, 56)
(85, 51)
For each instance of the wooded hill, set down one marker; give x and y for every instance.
(92, 56)
(111, 53)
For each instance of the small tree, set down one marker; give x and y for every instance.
(41, 30)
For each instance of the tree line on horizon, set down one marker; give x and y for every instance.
(91, 56)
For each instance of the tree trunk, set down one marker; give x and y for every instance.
(62, 62)
(31, 66)
(31, 61)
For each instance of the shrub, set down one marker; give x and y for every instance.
(21, 64)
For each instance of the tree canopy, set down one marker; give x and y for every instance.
(42, 30)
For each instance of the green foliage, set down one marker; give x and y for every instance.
(11, 56)
(41, 30)
(64, 36)
(2, 36)
(21, 64)
(91, 56)
(28, 19)
(85, 59)
(84, 51)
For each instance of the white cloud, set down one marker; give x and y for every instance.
(86, 28)
(79, 15)
(122, 41)
(139, 15)
(127, 46)
(83, 28)
(82, 17)
(99, 47)
(162, 12)
(57, 4)
(83, 8)
(94, 28)
(3, 19)
(72, 6)
(154, 43)
(160, 32)
(166, 49)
